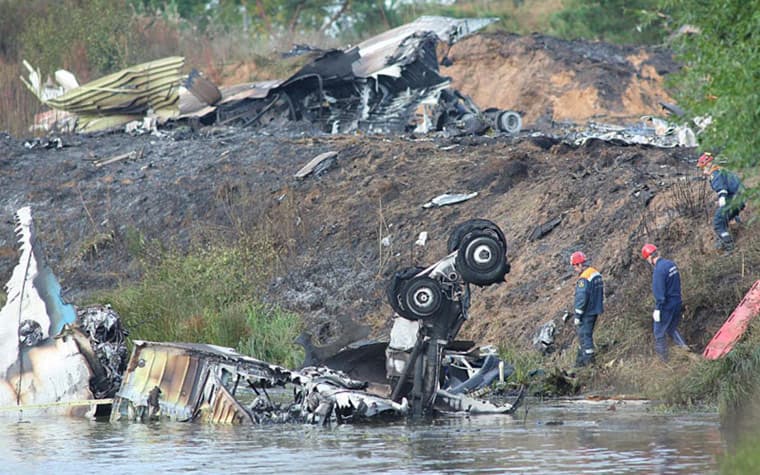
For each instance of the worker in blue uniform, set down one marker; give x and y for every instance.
(588, 304)
(731, 201)
(666, 287)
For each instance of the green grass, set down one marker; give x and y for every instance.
(210, 295)
(523, 361)
(728, 382)
(271, 335)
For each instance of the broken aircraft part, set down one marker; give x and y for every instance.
(33, 293)
(449, 199)
(543, 340)
(436, 301)
(47, 361)
(62, 360)
(735, 326)
(203, 89)
(118, 98)
(317, 165)
(195, 382)
(659, 134)
(389, 83)
(543, 229)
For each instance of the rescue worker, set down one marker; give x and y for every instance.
(666, 287)
(587, 306)
(730, 189)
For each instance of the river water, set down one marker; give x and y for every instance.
(569, 437)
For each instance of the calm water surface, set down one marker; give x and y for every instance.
(569, 437)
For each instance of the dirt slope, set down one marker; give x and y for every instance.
(550, 79)
(331, 227)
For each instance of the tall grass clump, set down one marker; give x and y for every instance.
(271, 336)
(210, 295)
(729, 382)
(523, 362)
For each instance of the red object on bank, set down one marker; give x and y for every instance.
(725, 339)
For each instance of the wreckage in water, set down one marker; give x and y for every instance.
(59, 359)
(54, 358)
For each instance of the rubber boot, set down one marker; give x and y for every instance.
(661, 348)
(678, 339)
(580, 359)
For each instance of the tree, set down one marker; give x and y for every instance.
(721, 75)
(613, 21)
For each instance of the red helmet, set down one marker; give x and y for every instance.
(648, 250)
(577, 258)
(705, 160)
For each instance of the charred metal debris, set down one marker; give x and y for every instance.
(387, 84)
(58, 359)
(54, 357)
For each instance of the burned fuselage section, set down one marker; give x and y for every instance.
(195, 382)
(426, 370)
(390, 83)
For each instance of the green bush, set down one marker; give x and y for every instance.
(613, 21)
(727, 382)
(523, 361)
(88, 37)
(721, 74)
(272, 334)
(208, 296)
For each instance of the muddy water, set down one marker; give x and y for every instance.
(565, 437)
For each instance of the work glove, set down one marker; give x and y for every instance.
(722, 201)
(577, 321)
(656, 316)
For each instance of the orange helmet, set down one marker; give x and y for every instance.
(577, 258)
(648, 250)
(705, 160)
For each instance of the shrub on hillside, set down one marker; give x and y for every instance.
(208, 296)
(613, 21)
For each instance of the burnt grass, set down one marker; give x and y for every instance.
(187, 187)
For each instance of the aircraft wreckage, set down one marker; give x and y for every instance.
(58, 359)
(387, 84)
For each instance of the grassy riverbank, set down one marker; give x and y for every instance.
(213, 295)
(713, 284)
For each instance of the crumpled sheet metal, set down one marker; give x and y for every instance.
(375, 52)
(46, 360)
(659, 134)
(449, 199)
(107, 340)
(33, 293)
(460, 403)
(377, 86)
(195, 382)
(185, 375)
(36, 368)
(53, 371)
(121, 97)
(328, 392)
